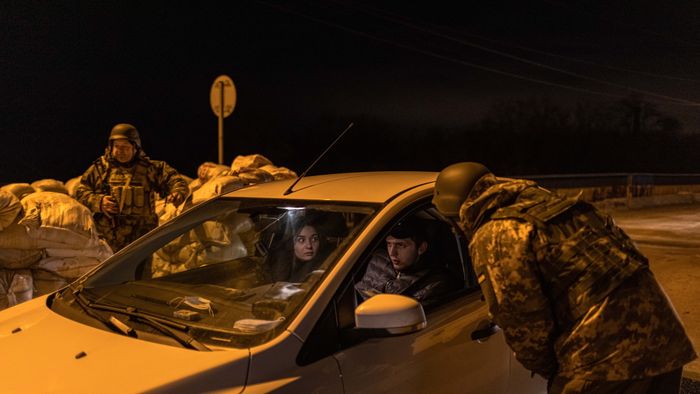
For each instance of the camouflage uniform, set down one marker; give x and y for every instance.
(134, 187)
(573, 295)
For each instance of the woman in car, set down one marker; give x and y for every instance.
(302, 256)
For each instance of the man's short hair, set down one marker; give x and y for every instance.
(409, 228)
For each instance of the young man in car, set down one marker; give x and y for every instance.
(574, 296)
(405, 267)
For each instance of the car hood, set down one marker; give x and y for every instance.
(43, 352)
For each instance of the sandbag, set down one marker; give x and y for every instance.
(16, 236)
(252, 176)
(20, 258)
(10, 207)
(69, 268)
(220, 240)
(279, 173)
(217, 186)
(72, 185)
(170, 211)
(162, 267)
(196, 184)
(20, 190)
(49, 185)
(209, 170)
(212, 242)
(46, 282)
(101, 252)
(253, 161)
(57, 217)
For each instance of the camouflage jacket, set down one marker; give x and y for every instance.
(570, 290)
(426, 283)
(146, 175)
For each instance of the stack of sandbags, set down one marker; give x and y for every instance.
(20, 190)
(58, 218)
(259, 169)
(212, 242)
(53, 242)
(49, 185)
(216, 179)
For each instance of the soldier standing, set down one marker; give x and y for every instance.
(120, 187)
(574, 296)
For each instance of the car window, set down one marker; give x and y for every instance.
(334, 329)
(234, 274)
(419, 256)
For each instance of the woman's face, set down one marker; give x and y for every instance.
(306, 244)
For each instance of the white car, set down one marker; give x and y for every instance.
(194, 306)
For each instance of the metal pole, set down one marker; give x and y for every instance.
(221, 122)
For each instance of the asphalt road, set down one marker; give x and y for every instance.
(670, 237)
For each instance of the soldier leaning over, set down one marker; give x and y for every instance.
(120, 186)
(574, 296)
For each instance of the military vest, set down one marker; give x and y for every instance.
(582, 256)
(130, 187)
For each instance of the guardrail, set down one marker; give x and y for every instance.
(631, 190)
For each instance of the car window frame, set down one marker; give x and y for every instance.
(334, 329)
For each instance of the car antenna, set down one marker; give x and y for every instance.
(303, 174)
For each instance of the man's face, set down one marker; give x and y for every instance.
(403, 252)
(123, 151)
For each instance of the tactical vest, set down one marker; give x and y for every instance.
(582, 256)
(130, 188)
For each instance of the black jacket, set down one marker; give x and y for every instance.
(427, 282)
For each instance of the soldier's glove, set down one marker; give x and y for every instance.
(109, 205)
(175, 199)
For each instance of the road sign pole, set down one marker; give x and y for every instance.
(222, 98)
(221, 122)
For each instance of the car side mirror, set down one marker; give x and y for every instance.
(390, 314)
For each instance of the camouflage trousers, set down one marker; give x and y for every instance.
(120, 230)
(666, 383)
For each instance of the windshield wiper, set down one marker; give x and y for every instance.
(161, 325)
(112, 322)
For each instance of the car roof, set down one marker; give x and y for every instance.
(377, 187)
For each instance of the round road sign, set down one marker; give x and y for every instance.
(222, 91)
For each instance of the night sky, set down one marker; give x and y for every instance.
(70, 70)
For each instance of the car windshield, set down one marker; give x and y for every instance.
(231, 272)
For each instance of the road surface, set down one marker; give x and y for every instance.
(670, 237)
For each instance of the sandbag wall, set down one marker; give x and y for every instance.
(214, 241)
(47, 240)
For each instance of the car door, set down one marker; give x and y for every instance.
(441, 358)
(446, 356)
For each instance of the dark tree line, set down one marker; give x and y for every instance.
(519, 137)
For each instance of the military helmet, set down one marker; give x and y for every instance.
(454, 184)
(125, 131)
